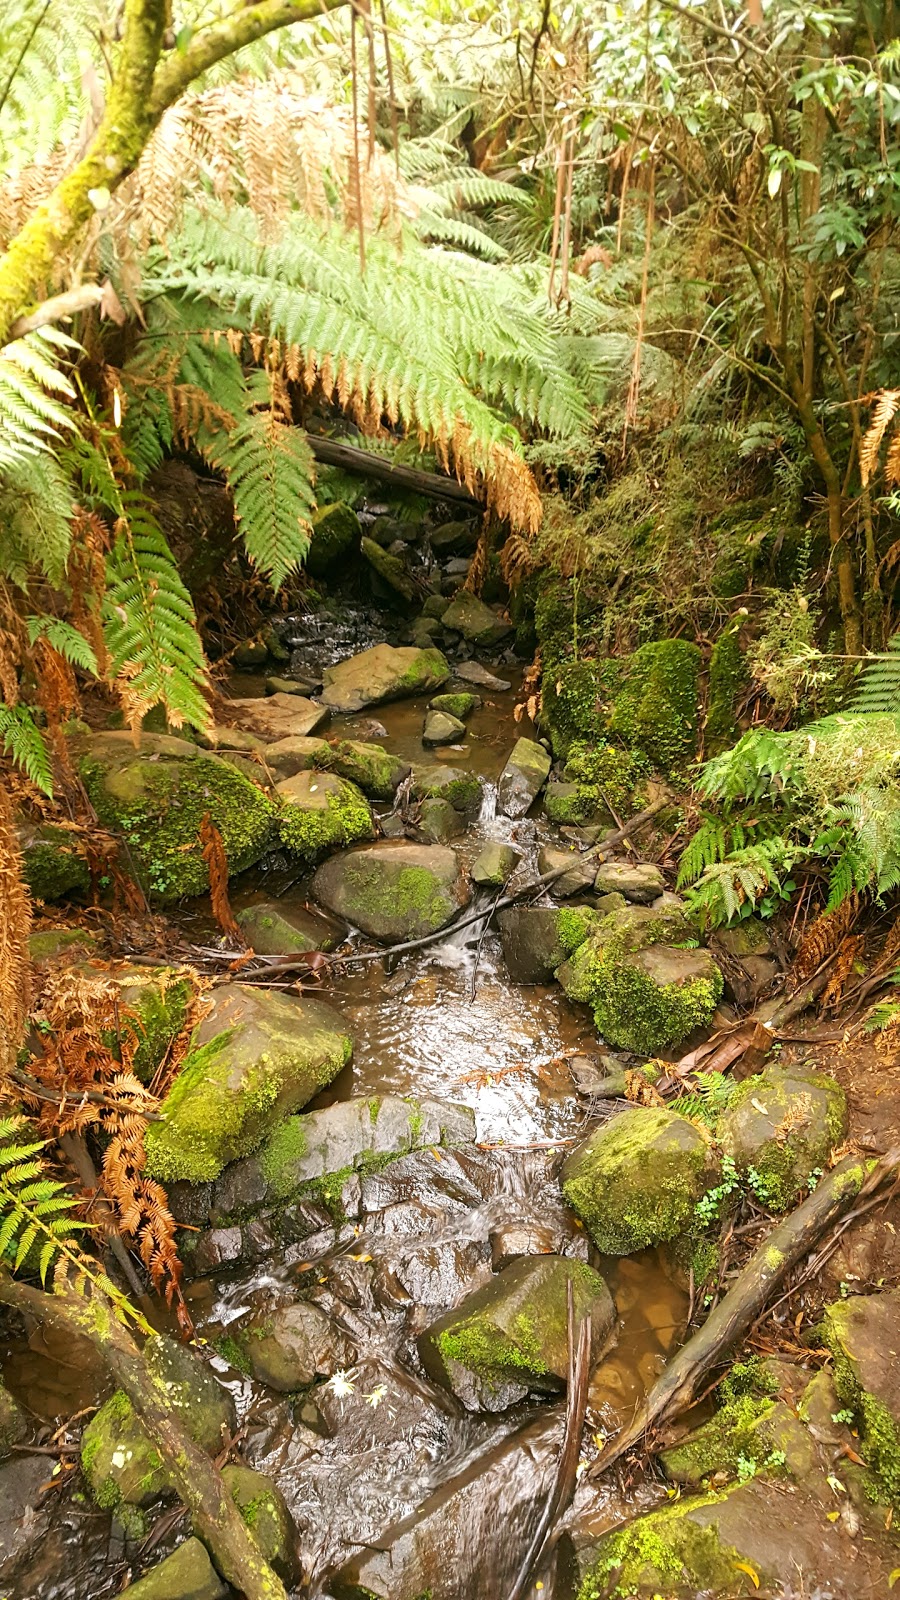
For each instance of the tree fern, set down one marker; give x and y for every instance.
(23, 741)
(65, 639)
(33, 417)
(878, 688)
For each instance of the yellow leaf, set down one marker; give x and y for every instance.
(744, 1566)
(893, 1577)
(832, 1515)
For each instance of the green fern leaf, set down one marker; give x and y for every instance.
(24, 742)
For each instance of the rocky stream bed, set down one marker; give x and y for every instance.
(390, 1183)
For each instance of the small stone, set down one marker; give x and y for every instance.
(454, 538)
(518, 1239)
(523, 777)
(473, 672)
(477, 623)
(640, 883)
(459, 705)
(380, 674)
(187, 1574)
(251, 653)
(435, 606)
(579, 874)
(438, 822)
(290, 686)
(392, 826)
(494, 865)
(292, 1346)
(441, 728)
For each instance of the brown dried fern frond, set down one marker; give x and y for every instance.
(823, 937)
(217, 866)
(887, 403)
(15, 927)
(848, 955)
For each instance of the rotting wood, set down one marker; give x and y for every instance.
(334, 453)
(733, 1317)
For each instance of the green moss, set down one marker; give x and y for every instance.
(879, 1431)
(414, 892)
(344, 819)
(630, 1009)
(573, 697)
(655, 708)
(160, 1009)
(54, 866)
(572, 804)
(232, 1351)
(658, 1552)
(335, 532)
(456, 705)
(736, 1432)
(158, 807)
(636, 1182)
(781, 1167)
(286, 1145)
(612, 772)
(463, 790)
(573, 924)
(728, 675)
(373, 769)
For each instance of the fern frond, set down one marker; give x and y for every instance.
(886, 406)
(878, 688)
(71, 644)
(32, 419)
(23, 741)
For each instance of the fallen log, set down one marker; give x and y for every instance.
(733, 1317)
(334, 453)
(195, 1477)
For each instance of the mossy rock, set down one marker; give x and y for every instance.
(863, 1334)
(156, 796)
(570, 804)
(54, 866)
(728, 676)
(477, 623)
(373, 769)
(187, 1574)
(636, 1181)
(573, 700)
(391, 568)
(748, 1429)
(459, 705)
(290, 1347)
(321, 812)
(393, 891)
(118, 1459)
(522, 778)
(646, 995)
(276, 930)
(462, 789)
(264, 1510)
(335, 532)
(50, 945)
(384, 672)
(254, 1059)
(655, 707)
(495, 864)
(511, 1336)
(158, 998)
(782, 1124)
(438, 822)
(296, 753)
(538, 939)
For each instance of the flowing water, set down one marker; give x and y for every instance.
(391, 1449)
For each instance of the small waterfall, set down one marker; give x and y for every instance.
(488, 813)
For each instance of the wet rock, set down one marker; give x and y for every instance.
(494, 865)
(748, 962)
(749, 1428)
(392, 826)
(335, 533)
(521, 1239)
(538, 939)
(511, 1336)
(264, 1510)
(286, 757)
(473, 672)
(291, 686)
(441, 728)
(599, 1079)
(522, 778)
(431, 1278)
(158, 793)
(13, 1427)
(393, 891)
(320, 812)
(290, 1347)
(391, 568)
(646, 995)
(118, 1459)
(462, 789)
(256, 1057)
(381, 1403)
(455, 570)
(426, 632)
(250, 653)
(578, 877)
(477, 623)
(273, 930)
(53, 945)
(454, 538)
(438, 822)
(469, 1536)
(783, 1123)
(636, 1180)
(456, 705)
(382, 673)
(863, 1334)
(187, 1574)
(281, 716)
(218, 1247)
(378, 773)
(55, 867)
(640, 882)
(24, 1518)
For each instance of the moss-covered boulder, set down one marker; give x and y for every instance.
(655, 706)
(647, 995)
(54, 862)
(477, 623)
(636, 1181)
(157, 998)
(511, 1336)
(256, 1057)
(459, 705)
(372, 768)
(538, 939)
(335, 533)
(187, 1574)
(573, 696)
(320, 812)
(382, 673)
(728, 675)
(494, 865)
(272, 929)
(264, 1510)
(863, 1334)
(393, 891)
(118, 1459)
(749, 1429)
(392, 568)
(523, 777)
(50, 946)
(571, 804)
(13, 1427)
(462, 789)
(782, 1126)
(438, 822)
(156, 795)
(289, 1347)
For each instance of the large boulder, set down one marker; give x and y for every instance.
(281, 716)
(370, 766)
(647, 994)
(187, 1574)
(636, 1181)
(477, 623)
(118, 1458)
(577, 872)
(511, 1336)
(290, 1347)
(523, 777)
(782, 1125)
(335, 533)
(537, 940)
(382, 673)
(54, 863)
(272, 929)
(256, 1057)
(863, 1334)
(320, 812)
(393, 891)
(157, 792)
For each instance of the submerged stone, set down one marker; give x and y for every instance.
(275, 930)
(382, 673)
(636, 1181)
(442, 728)
(157, 795)
(393, 891)
(494, 865)
(256, 1057)
(511, 1336)
(523, 777)
(538, 939)
(290, 1347)
(320, 812)
(187, 1574)
(783, 1123)
(264, 1510)
(118, 1459)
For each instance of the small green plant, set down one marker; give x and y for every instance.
(709, 1207)
(844, 1416)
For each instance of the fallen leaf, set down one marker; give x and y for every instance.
(832, 1515)
(893, 1577)
(744, 1566)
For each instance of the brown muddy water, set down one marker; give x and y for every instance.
(383, 1466)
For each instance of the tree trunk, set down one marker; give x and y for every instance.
(196, 1478)
(335, 453)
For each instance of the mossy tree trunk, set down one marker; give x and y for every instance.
(147, 80)
(195, 1477)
